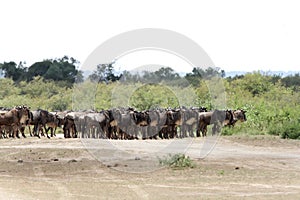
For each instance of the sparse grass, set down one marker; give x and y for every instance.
(177, 161)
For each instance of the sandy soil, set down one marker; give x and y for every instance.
(256, 167)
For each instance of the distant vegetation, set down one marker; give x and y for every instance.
(272, 102)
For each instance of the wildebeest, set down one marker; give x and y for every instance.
(41, 118)
(158, 118)
(127, 123)
(191, 117)
(217, 118)
(69, 127)
(52, 125)
(16, 118)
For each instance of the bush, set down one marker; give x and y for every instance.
(227, 131)
(178, 161)
(290, 131)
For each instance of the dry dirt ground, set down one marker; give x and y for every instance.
(227, 167)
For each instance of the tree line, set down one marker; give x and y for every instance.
(66, 70)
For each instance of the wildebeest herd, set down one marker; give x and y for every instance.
(117, 123)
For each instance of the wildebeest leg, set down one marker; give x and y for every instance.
(152, 132)
(144, 132)
(204, 131)
(172, 131)
(66, 130)
(198, 131)
(181, 132)
(1, 133)
(135, 132)
(190, 130)
(109, 132)
(16, 131)
(160, 134)
(53, 132)
(36, 130)
(216, 128)
(201, 128)
(22, 130)
(166, 132)
(30, 131)
(74, 131)
(46, 130)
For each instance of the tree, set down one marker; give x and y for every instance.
(63, 69)
(199, 74)
(14, 71)
(104, 73)
(292, 81)
(256, 83)
(38, 69)
(166, 73)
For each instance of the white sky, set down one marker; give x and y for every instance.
(237, 35)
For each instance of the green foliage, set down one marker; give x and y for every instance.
(149, 96)
(256, 83)
(291, 131)
(38, 93)
(270, 105)
(177, 161)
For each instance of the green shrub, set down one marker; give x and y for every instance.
(178, 161)
(274, 129)
(290, 130)
(227, 131)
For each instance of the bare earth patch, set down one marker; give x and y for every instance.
(249, 167)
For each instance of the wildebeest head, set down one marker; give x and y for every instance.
(240, 115)
(23, 114)
(175, 116)
(141, 118)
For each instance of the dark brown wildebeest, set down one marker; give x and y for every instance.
(95, 124)
(157, 126)
(69, 128)
(16, 118)
(174, 118)
(217, 117)
(141, 121)
(52, 125)
(125, 120)
(190, 120)
(40, 118)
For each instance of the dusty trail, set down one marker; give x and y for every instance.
(258, 167)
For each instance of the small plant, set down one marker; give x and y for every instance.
(221, 172)
(177, 161)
